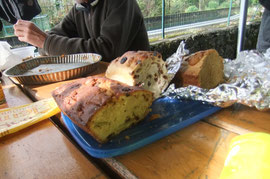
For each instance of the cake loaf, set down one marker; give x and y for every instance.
(203, 69)
(103, 107)
(140, 68)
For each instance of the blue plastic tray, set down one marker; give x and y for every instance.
(175, 115)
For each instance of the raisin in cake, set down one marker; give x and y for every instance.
(203, 69)
(101, 106)
(140, 68)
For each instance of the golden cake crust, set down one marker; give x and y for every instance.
(132, 59)
(203, 69)
(140, 68)
(85, 98)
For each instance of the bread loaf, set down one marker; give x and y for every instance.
(203, 69)
(141, 68)
(103, 107)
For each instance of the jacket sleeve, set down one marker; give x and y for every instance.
(58, 35)
(121, 25)
(265, 3)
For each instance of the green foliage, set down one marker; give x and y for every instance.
(253, 2)
(192, 2)
(191, 9)
(225, 5)
(175, 6)
(150, 8)
(55, 9)
(142, 5)
(213, 5)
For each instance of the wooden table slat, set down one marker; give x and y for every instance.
(198, 151)
(41, 150)
(241, 119)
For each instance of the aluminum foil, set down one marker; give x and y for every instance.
(247, 81)
(174, 61)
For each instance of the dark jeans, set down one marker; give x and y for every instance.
(263, 42)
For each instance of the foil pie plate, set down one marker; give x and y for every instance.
(43, 70)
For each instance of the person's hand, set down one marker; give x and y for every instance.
(28, 32)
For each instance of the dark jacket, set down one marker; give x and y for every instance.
(12, 10)
(110, 28)
(265, 3)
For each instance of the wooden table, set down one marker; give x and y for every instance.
(41, 150)
(198, 151)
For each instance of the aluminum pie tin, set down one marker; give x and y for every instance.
(50, 69)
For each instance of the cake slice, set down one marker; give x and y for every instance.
(203, 69)
(103, 107)
(140, 68)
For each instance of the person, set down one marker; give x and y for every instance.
(106, 27)
(263, 42)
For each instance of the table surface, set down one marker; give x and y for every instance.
(41, 150)
(197, 151)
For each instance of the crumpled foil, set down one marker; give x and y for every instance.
(174, 61)
(247, 81)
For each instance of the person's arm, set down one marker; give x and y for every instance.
(122, 23)
(27, 31)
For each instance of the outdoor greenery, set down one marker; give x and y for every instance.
(181, 6)
(57, 9)
(191, 9)
(212, 5)
(53, 11)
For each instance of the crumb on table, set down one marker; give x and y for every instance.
(154, 116)
(127, 137)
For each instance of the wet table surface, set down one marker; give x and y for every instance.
(197, 151)
(41, 150)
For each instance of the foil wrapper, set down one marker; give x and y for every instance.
(174, 62)
(247, 82)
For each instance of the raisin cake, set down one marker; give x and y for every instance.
(203, 69)
(140, 68)
(101, 106)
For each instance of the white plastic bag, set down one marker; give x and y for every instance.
(7, 58)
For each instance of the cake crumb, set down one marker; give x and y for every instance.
(127, 137)
(154, 116)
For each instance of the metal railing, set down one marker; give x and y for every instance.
(153, 23)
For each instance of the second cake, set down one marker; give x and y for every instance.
(140, 68)
(204, 69)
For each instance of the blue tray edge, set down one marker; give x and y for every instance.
(145, 141)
